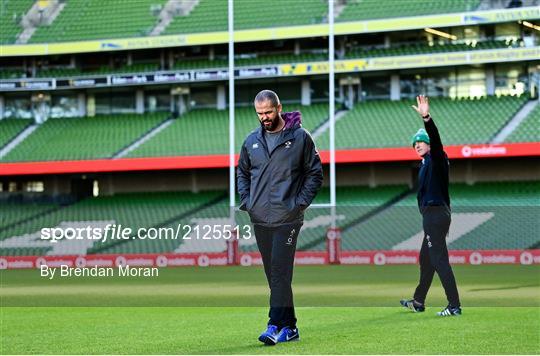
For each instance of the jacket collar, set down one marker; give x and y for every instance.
(293, 120)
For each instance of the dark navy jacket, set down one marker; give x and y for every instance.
(433, 175)
(276, 187)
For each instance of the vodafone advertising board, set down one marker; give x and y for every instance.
(391, 154)
(379, 258)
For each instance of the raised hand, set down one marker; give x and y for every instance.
(423, 106)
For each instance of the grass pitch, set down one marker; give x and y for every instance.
(222, 310)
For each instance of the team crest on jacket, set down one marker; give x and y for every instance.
(255, 145)
(288, 144)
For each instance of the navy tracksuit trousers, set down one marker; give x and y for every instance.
(434, 255)
(277, 246)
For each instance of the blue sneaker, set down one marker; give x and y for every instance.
(288, 334)
(269, 337)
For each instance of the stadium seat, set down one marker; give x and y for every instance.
(357, 10)
(83, 138)
(9, 128)
(11, 14)
(529, 129)
(131, 210)
(417, 48)
(212, 16)
(383, 123)
(355, 203)
(178, 139)
(379, 218)
(510, 211)
(99, 19)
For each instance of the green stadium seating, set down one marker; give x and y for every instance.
(172, 209)
(358, 10)
(23, 251)
(83, 138)
(183, 137)
(64, 72)
(210, 15)
(11, 73)
(370, 124)
(206, 216)
(514, 225)
(12, 213)
(75, 72)
(354, 203)
(384, 230)
(207, 16)
(11, 13)
(58, 72)
(17, 214)
(99, 19)
(515, 207)
(9, 128)
(102, 19)
(420, 48)
(529, 129)
(250, 60)
(391, 123)
(248, 14)
(371, 218)
(131, 210)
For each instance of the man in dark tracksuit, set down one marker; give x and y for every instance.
(434, 204)
(279, 174)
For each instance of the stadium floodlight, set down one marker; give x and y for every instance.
(441, 33)
(529, 25)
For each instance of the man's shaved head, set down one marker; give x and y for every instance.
(268, 109)
(269, 95)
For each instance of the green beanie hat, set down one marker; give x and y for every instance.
(421, 136)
